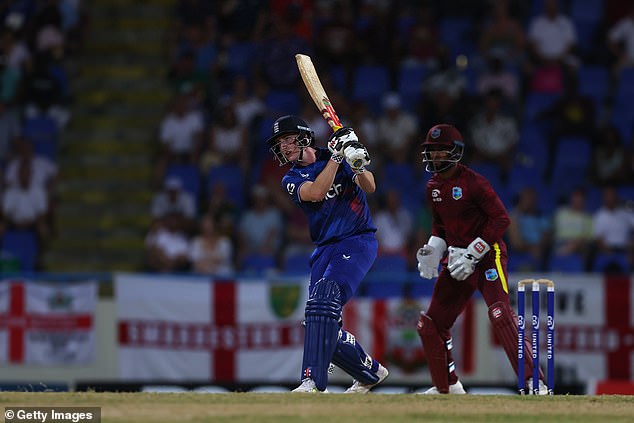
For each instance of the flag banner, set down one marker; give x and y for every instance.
(47, 323)
(192, 328)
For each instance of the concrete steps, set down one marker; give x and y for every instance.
(120, 94)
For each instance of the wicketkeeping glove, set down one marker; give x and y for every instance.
(463, 266)
(429, 257)
(357, 156)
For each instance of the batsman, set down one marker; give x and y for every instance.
(468, 222)
(330, 186)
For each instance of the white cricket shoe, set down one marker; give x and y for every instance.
(456, 389)
(360, 388)
(543, 389)
(308, 385)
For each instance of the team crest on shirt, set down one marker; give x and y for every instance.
(491, 274)
(456, 193)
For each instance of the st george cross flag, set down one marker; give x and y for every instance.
(47, 323)
(184, 328)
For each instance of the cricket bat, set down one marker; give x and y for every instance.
(316, 91)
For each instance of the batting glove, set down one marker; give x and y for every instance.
(429, 257)
(340, 139)
(463, 266)
(357, 156)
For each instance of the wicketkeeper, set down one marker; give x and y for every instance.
(468, 222)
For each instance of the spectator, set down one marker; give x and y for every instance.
(44, 171)
(227, 141)
(395, 224)
(397, 129)
(494, 135)
(552, 37)
(421, 42)
(9, 130)
(496, 77)
(620, 40)
(613, 224)
(610, 166)
(173, 199)
(572, 226)
(503, 35)
(211, 252)
(25, 204)
(248, 106)
(260, 228)
(167, 246)
(530, 231)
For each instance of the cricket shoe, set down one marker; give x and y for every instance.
(308, 386)
(361, 388)
(543, 389)
(456, 388)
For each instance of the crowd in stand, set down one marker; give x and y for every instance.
(36, 40)
(540, 89)
(537, 87)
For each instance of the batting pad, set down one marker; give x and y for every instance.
(351, 358)
(323, 310)
(435, 351)
(504, 322)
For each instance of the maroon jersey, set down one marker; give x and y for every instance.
(465, 207)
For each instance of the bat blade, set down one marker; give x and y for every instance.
(316, 90)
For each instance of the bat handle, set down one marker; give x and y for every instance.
(335, 128)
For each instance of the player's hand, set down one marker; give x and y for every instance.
(454, 253)
(464, 266)
(340, 139)
(357, 156)
(428, 259)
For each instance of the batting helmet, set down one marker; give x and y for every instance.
(444, 138)
(290, 125)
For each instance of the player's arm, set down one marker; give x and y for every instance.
(365, 181)
(316, 190)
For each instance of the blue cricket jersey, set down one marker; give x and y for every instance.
(344, 212)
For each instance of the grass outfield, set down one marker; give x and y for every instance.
(332, 408)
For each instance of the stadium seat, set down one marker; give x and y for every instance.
(390, 263)
(573, 152)
(594, 82)
(338, 76)
(490, 171)
(625, 84)
(410, 82)
(521, 262)
(42, 131)
(454, 31)
(240, 58)
(23, 245)
(611, 263)
(231, 177)
(369, 85)
(537, 103)
(297, 263)
(188, 175)
(569, 263)
(258, 264)
(283, 102)
(586, 10)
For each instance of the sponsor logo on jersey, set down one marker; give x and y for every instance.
(456, 193)
(435, 195)
(491, 274)
(345, 257)
(304, 175)
(334, 191)
(496, 313)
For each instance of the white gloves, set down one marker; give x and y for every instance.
(429, 257)
(462, 266)
(357, 157)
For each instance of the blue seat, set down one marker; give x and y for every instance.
(338, 77)
(401, 177)
(42, 131)
(623, 119)
(258, 264)
(537, 103)
(569, 263)
(490, 171)
(283, 102)
(586, 10)
(23, 245)
(586, 36)
(626, 192)
(297, 263)
(594, 81)
(189, 176)
(625, 84)
(454, 31)
(611, 263)
(231, 177)
(521, 262)
(390, 263)
(573, 152)
(369, 85)
(240, 58)
(410, 82)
